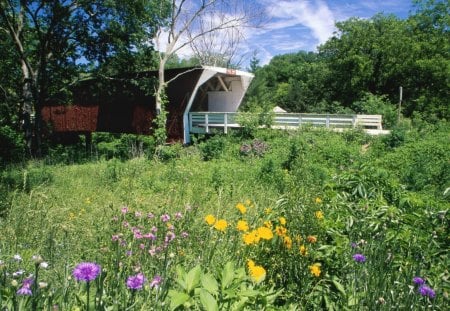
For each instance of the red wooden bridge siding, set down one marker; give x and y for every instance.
(122, 107)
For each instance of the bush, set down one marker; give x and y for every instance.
(12, 146)
(213, 148)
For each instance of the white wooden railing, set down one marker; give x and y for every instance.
(204, 122)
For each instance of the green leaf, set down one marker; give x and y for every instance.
(339, 286)
(209, 283)
(208, 301)
(177, 299)
(181, 277)
(227, 274)
(193, 278)
(249, 293)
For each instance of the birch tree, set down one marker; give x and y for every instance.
(191, 24)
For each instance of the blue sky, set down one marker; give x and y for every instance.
(295, 25)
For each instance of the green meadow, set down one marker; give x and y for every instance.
(275, 220)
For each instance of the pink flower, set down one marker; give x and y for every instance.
(124, 209)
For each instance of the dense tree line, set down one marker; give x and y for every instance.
(361, 68)
(46, 47)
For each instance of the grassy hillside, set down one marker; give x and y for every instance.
(279, 221)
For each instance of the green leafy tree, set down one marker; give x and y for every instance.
(49, 46)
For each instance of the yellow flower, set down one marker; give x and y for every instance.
(241, 208)
(287, 242)
(318, 200)
(221, 225)
(319, 215)
(242, 225)
(71, 216)
(268, 211)
(251, 237)
(268, 224)
(257, 273)
(280, 230)
(210, 219)
(265, 233)
(248, 202)
(315, 269)
(303, 250)
(282, 221)
(311, 239)
(250, 263)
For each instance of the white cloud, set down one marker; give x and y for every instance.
(316, 16)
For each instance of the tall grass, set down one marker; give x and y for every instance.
(324, 197)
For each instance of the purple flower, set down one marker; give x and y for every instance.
(165, 218)
(426, 291)
(150, 216)
(25, 290)
(136, 282)
(178, 215)
(156, 282)
(184, 234)
(354, 245)
(86, 271)
(418, 280)
(115, 237)
(138, 214)
(359, 258)
(124, 209)
(150, 236)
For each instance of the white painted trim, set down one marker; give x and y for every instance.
(205, 76)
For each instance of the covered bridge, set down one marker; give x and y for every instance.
(120, 106)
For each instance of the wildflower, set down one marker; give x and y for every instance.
(18, 273)
(242, 225)
(150, 216)
(287, 242)
(14, 283)
(353, 245)
(221, 225)
(268, 224)
(124, 209)
(251, 237)
(37, 259)
(71, 216)
(86, 271)
(178, 215)
(303, 250)
(2, 263)
(315, 269)
(184, 234)
(319, 215)
(280, 230)
(156, 282)
(17, 257)
(129, 253)
(43, 285)
(418, 280)
(268, 211)
(136, 282)
(241, 207)
(138, 214)
(359, 258)
(43, 265)
(150, 236)
(250, 263)
(165, 218)
(318, 200)
(210, 219)
(257, 273)
(311, 239)
(426, 291)
(25, 290)
(265, 233)
(282, 221)
(170, 236)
